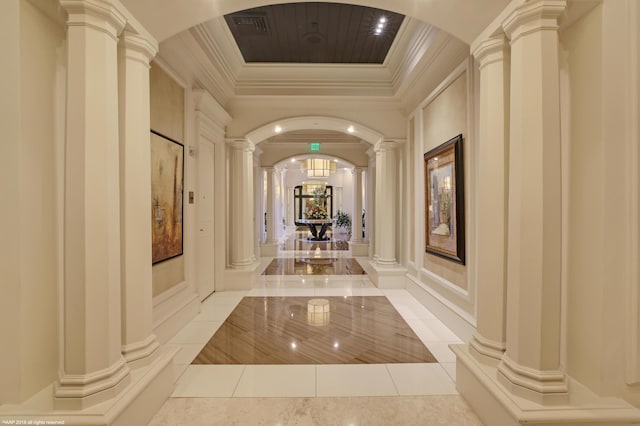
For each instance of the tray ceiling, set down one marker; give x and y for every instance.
(331, 33)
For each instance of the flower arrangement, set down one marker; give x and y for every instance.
(317, 210)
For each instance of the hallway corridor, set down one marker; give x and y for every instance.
(358, 382)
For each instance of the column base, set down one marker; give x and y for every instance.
(269, 249)
(384, 276)
(142, 352)
(242, 278)
(359, 248)
(81, 391)
(149, 388)
(543, 387)
(486, 350)
(243, 264)
(496, 405)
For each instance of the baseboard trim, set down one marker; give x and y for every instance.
(174, 313)
(454, 317)
(149, 388)
(479, 386)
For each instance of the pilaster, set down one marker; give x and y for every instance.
(138, 340)
(386, 189)
(370, 213)
(489, 340)
(93, 368)
(271, 203)
(242, 205)
(531, 365)
(356, 231)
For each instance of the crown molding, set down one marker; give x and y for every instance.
(211, 50)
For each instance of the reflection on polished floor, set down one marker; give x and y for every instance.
(302, 244)
(304, 330)
(282, 385)
(312, 265)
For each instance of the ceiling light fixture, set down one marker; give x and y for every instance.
(278, 129)
(319, 167)
(382, 22)
(351, 129)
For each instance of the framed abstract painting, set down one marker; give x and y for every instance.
(167, 166)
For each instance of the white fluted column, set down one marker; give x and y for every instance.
(271, 205)
(93, 368)
(386, 188)
(489, 340)
(356, 231)
(531, 365)
(135, 52)
(370, 214)
(242, 213)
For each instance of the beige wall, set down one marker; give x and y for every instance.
(598, 234)
(167, 118)
(444, 118)
(167, 104)
(29, 305)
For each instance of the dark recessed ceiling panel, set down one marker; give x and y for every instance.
(314, 33)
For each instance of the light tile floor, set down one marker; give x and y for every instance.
(296, 381)
(312, 380)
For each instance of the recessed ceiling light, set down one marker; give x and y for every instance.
(293, 160)
(278, 129)
(380, 26)
(351, 129)
(378, 31)
(383, 20)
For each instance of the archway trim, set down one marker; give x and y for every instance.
(314, 122)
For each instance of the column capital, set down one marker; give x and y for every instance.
(97, 14)
(138, 47)
(491, 50)
(241, 144)
(384, 146)
(533, 16)
(357, 170)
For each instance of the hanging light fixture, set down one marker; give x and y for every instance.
(319, 167)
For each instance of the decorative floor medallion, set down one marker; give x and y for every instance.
(311, 330)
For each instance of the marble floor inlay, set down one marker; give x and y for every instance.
(314, 265)
(314, 330)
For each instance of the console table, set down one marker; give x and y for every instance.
(313, 224)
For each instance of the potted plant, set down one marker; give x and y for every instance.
(343, 220)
